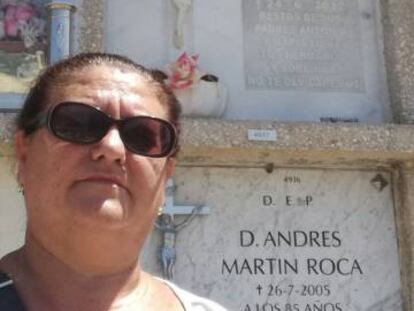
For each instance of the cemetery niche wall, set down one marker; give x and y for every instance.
(291, 239)
(318, 61)
(299, 215)
(301, 60)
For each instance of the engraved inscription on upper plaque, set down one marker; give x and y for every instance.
(312, 45)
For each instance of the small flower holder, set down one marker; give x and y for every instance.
(200, 96)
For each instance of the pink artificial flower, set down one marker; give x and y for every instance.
(15, 15)
(183, 73)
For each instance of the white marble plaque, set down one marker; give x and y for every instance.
(285, 60)
(303, 45)
(291, 240)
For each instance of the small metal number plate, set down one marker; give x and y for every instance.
(261, 135)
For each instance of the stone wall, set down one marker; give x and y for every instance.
(398, 25)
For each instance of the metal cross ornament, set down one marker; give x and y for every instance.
(170, 228)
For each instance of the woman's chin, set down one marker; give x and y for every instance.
(95, 209)
(103, 204)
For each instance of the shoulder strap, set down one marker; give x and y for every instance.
(5, 280)
(9, 299)
(191, 301)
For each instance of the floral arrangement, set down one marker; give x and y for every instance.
(183, 73)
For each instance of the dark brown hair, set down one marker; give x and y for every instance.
(39, 95)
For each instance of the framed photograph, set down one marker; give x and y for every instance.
(23, 42)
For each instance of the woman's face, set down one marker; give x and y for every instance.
(96, 187)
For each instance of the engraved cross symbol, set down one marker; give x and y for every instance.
(379, 182)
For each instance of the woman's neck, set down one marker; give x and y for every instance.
(48, 283)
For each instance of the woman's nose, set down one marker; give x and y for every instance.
(110, 147)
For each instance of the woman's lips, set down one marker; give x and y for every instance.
(106, 180)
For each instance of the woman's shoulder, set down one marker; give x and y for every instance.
(9, 299)
(192, 302)
(5, 280)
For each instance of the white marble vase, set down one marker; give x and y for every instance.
(205, 99)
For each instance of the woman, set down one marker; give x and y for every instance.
(95, 144)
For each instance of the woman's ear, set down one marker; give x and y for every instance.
(20, 148)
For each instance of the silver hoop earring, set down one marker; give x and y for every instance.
(20, 189)
(160, 209)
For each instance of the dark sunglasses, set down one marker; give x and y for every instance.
(84, 124)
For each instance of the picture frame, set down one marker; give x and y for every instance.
(23, 45)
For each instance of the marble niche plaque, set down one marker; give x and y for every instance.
(285, 60)
(303, 45)
(291, 240)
